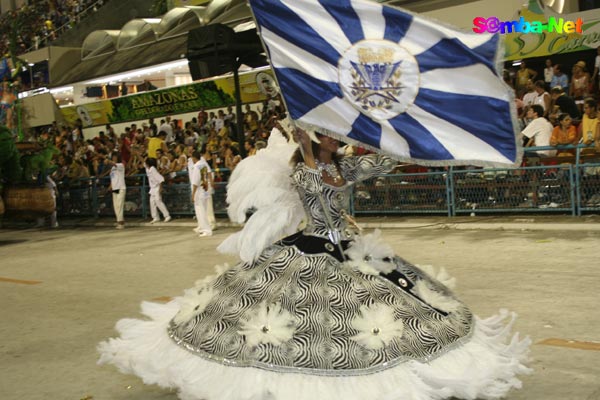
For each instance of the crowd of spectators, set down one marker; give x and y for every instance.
(171, 142)
(41, 22)
(557, 109)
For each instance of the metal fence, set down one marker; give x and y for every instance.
(569, 185)
(91, 197)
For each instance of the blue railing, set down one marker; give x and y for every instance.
(571, 185)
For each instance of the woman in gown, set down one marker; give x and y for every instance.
(321, 314)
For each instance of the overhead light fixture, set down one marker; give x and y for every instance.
(556, 5)
(137, 73)
(517, 63)
(61, 89)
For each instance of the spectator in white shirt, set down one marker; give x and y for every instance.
(548, 73)
(219, 121)
(529, 97)
(539, 130)
(168, 129)
(542, 97)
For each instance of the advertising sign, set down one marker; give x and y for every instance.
(538, 33)
(216, 93)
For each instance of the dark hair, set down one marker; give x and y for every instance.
(162, 133)
(196, 154)
(558, 67)
(539, 110)
(541, 84)
(297, 157)
(557, 90)
(562, 116)
(151, 162)
(590, 102)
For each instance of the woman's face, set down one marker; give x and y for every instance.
(329, 144)
(565, 123)
(589, 111)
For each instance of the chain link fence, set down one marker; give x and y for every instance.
(546, 185)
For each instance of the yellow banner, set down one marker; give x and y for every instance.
(529, 45)
(91, 114)
(182, 3)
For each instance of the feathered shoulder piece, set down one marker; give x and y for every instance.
(261, 184)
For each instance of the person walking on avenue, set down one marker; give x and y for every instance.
(200, 194)
(155, 181)
(206, 157)
(118, 188)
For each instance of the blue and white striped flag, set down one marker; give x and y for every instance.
(396, 82)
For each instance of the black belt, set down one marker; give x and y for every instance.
(315, 245)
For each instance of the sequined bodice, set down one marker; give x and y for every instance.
(335, 204)
(326, 206)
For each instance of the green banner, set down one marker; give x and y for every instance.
(255, 86)
(177, 100)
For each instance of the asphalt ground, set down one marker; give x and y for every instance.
(62, 290)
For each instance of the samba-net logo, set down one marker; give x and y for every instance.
(494, 25)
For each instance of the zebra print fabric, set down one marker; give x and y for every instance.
(323, 297)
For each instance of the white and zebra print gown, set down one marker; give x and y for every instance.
(301, 312)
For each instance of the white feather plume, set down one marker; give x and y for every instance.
(262, 183)
(435, 299)
(367, 254)
(441, 275)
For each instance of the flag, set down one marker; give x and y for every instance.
(391, 81)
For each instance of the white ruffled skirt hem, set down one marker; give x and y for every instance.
(484, 367)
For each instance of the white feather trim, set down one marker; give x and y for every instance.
(485, 367)
(367, 254)
(262, 183)
(435, 299)
(441, 276)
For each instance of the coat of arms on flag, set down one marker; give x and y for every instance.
(379, 78)
(391, 81)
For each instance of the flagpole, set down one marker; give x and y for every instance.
(238, 108)
(334, 234)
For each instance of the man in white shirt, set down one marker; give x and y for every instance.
(529, 97)
(168, 129)
(200, 194)
(118, 188)
(219, 121)
(155, 181)
(548, 73)
(539, 130)
(206, 157)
